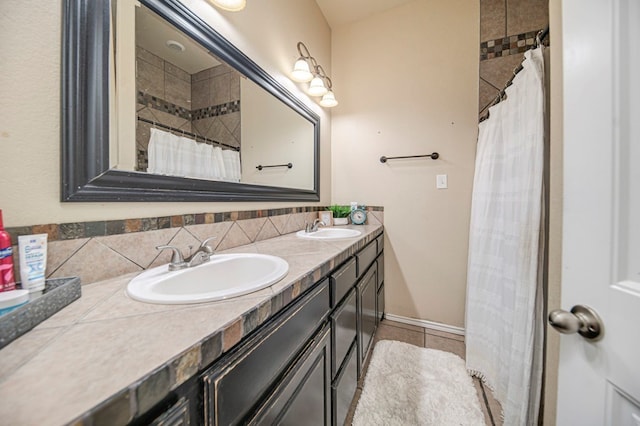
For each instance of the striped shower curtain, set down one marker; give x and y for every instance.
(504, 324)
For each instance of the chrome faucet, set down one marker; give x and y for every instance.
(313, 227)
(200, 256)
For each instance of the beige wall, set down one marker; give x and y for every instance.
(273, 133)
(407, 82)
(30, 102)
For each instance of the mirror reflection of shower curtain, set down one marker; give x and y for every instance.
(504, 324)
(174, 155)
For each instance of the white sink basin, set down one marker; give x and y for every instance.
(222, 277)
(329, 234)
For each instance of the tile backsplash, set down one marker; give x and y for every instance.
(100, 250)
(507, 29)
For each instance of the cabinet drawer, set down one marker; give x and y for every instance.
(380, 242)
(365, 257)
(235, 384)
(380, 262)
(343, 330)
(344, 387)
(302, 397)
(342, 280)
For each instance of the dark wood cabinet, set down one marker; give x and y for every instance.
(380, 298)
(235, 385)
(178, 415)
(342, 280)
(343, 330)
(367, 297)
(303, 395)
(344, 385)
(299, 368)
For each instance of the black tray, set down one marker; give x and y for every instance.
(57, 294)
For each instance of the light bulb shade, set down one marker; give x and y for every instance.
(301, 71)
(317, 87)
(230, 5)
(329, 100)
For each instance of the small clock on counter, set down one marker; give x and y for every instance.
(358, 216)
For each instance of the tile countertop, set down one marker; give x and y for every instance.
(106, 350)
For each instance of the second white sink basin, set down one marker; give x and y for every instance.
(222, 277)
(329, 234)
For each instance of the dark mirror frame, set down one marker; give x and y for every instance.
(85, 173)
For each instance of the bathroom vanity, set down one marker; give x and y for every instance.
(289, 354)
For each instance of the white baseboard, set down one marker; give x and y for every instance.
(426, 324)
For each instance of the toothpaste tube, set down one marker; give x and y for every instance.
(33, 261)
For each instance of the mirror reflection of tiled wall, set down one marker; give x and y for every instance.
(215, 94)
(206, 103)
(507, 29)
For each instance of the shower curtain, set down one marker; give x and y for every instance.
(174, 155)
(504, 323)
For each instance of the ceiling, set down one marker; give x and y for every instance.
(153, 33)
(339, 12)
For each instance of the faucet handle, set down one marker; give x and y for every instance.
(177, 261)
(204, 246)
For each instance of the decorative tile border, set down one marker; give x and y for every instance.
(216, 110)
(511, 45)
(164, 106)
(75, 230)
(128, 245)
(198, 114)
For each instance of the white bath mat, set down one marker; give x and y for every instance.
(408, 385)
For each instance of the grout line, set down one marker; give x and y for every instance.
(486, 403)
(506, 12)
(490, 84)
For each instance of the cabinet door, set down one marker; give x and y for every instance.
(367, 295)
(380, 301)
(380, 265)
(380, 305)
(343, 330)
(236, 384)
(344, 386)
(302, 397)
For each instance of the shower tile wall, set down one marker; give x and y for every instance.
(216, 104)
(206, 103)
(507, 29)
(164, 96)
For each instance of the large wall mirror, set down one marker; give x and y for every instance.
(157, 106)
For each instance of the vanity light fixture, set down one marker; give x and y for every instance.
(307, 69)
(229, 5)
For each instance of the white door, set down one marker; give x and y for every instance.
(599, 382)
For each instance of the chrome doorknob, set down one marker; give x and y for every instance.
(582, 319)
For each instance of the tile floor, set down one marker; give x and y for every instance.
(391, 330)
